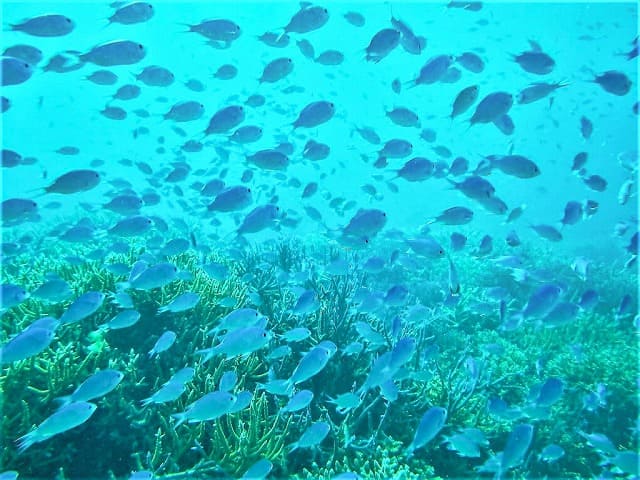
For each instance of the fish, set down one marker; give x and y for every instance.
(463, 101)
(518, 443)
(299, 401)
(118, 52)
(15, 71)
(64, 419)
(614, 82)
(82, 307)
(382, 44)
(258, 471)
(276, 70)
(225, 119)
(74, 181)
(97, 385)
(307, 19)
(535, 61)
(314, 114)
(50, 25)
(310, 365)
(492, 107)
(132, 13)
(312, 436)
(430, 425)
(434, 70)
(238, 343)
(210, 406)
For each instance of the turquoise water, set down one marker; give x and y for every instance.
(426, 339)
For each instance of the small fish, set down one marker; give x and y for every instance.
(454, 216)
(238, 343)
(430, 425)
(382, 44)
(74, 181)
(454, 282)
(136, 12)
(66, 418)
(258, 471)
(28, 343)
(312, 363)
(547, 231)
(312, 436)
(518, 443)
(306, 303)
(123, 319)
(434, 70)
(551, 453)
(307, 19)
(217, 30)
(614, 82)
(471, 62)
(183, 302)
(354, 18)
(464, 100)
(119, 52)
(579, 161)
(276, 70)
(299, 401)
(82, 307)
(535, 61)
(586, 127)
(225, 119)
(164, 343)
(492, 107)
(97, 385)
(314, 114)
(208, 407)
(52, 25)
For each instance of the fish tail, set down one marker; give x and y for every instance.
(26, 441)
(62, 401)
(180, 417)
(189, 27)
(208, 354)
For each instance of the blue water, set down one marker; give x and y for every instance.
(468, 347)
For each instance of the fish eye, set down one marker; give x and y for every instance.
(264, 334)
(140, 46)
(26, 65)
(248, 190)
(68, 20)
(325, 10)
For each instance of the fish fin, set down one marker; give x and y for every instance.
(26, 441)
(519, 274)
(62, 401)
(535, 46)
(208, 354)
(180, 417)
